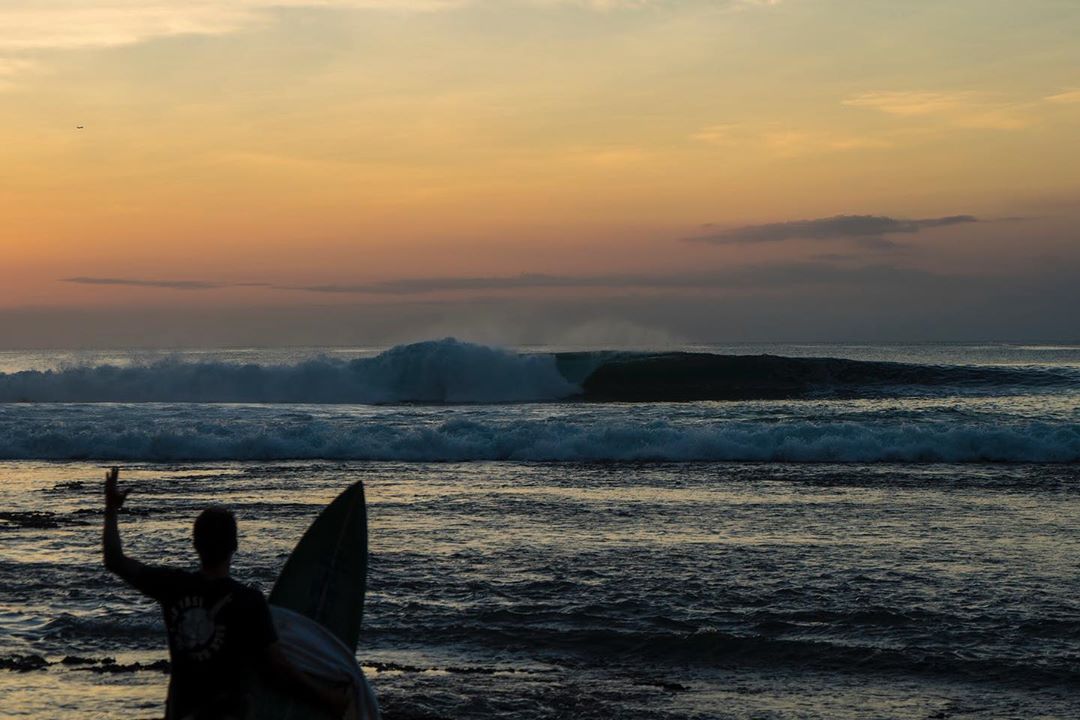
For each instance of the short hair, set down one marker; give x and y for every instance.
(215, 535)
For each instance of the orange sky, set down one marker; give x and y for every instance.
(279, 145)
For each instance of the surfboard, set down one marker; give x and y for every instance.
(324, 579)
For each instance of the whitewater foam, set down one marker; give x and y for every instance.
(182, 433)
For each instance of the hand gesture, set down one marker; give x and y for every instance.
(114, 496)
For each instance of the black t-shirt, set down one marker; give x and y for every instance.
(218, 631)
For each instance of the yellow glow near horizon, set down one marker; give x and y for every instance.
(294, 143)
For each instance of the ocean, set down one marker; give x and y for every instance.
(776, 531)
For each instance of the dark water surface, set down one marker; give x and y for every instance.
(607, 590)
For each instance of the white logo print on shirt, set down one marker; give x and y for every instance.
(195, 628)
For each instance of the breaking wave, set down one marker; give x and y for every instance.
(174, 434)
(449, 371)
(443, 371)
(683, 377)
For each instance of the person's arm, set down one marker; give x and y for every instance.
(115, 559)
(332, 700)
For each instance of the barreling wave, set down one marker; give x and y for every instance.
(449, 371)
(682, 377)
(173, 434)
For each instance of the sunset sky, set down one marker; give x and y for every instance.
(526, 170)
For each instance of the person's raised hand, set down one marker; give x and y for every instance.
(114, 496)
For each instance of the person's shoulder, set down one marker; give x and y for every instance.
(162, 582)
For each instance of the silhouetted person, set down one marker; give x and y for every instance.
(220, 631)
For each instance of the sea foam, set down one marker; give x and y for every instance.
(193, 433)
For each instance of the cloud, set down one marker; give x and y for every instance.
(717, 134)
(911, 103)
(1066, 97)
(69, 24)
(867, 229)
(409, 286)
(29, 29)
(419, 286)
(524, 281)
(734, 5)
(165, 284)
(754, 276)
(962, 109)
(792, 143)
(824, 269)
(12, 67)
(785, 142)
(810, 302)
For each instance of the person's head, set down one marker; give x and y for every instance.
(215, 535)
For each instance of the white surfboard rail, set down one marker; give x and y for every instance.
(315, 650)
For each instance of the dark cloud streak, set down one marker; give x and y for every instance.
(164, 284)
(798, 302)
(803, 273)
(857, 227)
(827, 270)
(754, 276)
